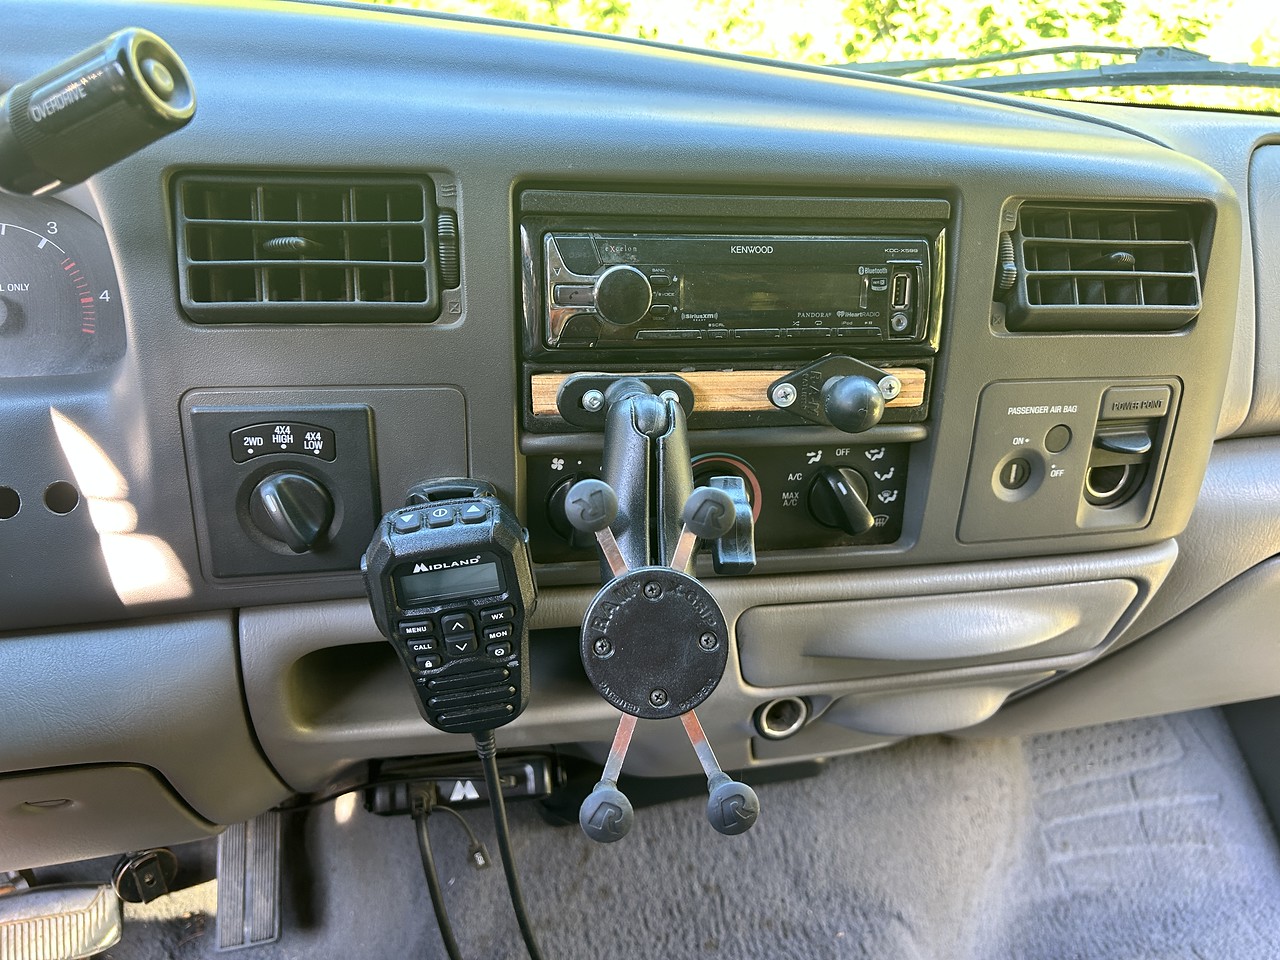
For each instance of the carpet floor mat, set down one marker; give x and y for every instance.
(1142, 840)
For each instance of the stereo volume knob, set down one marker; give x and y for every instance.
(623, 295)
(838, 498)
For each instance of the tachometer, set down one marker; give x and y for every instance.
(59, 302)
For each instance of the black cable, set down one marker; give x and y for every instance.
(471, 834)
(422, 810)
(487, 750)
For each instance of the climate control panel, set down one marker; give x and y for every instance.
(802, 497)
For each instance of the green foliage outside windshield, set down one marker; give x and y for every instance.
(839, 31)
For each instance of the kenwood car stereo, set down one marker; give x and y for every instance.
(607, 289)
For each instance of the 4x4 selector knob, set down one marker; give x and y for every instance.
(838, 498)
(292, 508)
(623, 295)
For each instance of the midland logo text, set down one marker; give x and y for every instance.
(429, 567)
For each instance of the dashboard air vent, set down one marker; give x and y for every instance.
(1104, 268)
(310, 249)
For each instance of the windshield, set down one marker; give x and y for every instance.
(852, 33)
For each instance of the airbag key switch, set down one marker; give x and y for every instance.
(451, 587)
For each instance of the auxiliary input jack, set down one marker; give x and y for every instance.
(782, 718)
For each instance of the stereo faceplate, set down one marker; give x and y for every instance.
(721, 289)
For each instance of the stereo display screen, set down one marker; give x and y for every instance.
(786, 289)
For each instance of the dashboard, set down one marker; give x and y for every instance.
(433, 256)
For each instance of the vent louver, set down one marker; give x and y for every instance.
(309, 249)
(1104, 268)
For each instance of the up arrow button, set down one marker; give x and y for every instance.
(475, 513)
(457, 624)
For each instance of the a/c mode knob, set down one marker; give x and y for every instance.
(838, 498)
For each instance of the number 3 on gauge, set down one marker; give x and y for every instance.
(58, 307)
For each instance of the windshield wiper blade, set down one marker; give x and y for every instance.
(1151, 66)
(902, 68)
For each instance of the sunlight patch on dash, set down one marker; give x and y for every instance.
(344, 808)
(143, 568)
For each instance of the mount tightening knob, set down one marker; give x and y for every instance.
(623, 295)
(708, 513)
(606, 815)
(591, 505)
(732, 806)
(853, 403)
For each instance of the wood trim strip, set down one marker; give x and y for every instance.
(728, 391)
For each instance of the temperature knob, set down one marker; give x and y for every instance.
(623, 295)
(838, 498)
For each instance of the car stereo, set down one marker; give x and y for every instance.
(619, 288)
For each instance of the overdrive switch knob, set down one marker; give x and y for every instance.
(623, 295)
(853, 403)
(293, 509)
(838, 498)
